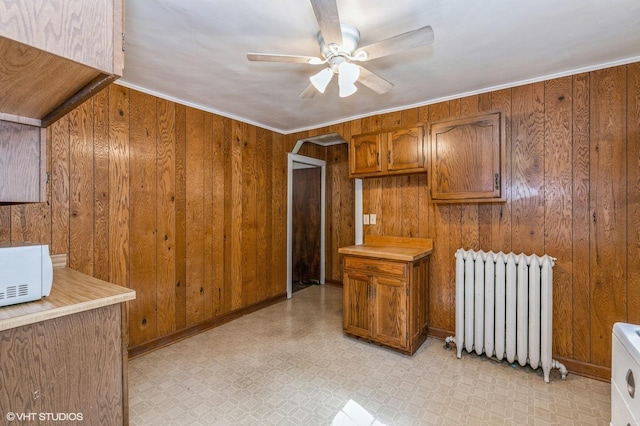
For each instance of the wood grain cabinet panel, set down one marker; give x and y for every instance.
(23, 173)
(357, 308)
(405, 149)
(56, 54)
(364, 154)
(392, 152)
(467, 158)
(385, 301)
(75, 364)
(390, 305)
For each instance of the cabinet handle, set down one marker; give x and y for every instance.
(631, 384)
(388, 157)
(496, 180)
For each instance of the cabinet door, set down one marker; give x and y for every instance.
(364, 154)
(405, 149)
(467, 158)
(22, 163)
(390, 311)
(356, 304)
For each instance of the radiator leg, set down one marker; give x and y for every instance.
(448, 341)
(560, 366)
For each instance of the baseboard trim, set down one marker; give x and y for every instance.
(144, 348)
(578, 368)
(586, 369)
(439, 333)
(333, 283)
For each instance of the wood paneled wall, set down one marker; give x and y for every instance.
(180, 205)
(573, 192)
(185, 207)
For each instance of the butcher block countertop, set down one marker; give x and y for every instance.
(391, 248)
(71, 292)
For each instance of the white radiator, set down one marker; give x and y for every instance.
(504, 308)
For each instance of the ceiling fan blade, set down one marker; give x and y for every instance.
(326, 12)
(409, 40)
(374, 82)
(272, 57)
(309, 92)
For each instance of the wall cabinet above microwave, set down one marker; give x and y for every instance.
(56, 54)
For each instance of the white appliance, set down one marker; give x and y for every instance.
(625, 373)
(26, 273)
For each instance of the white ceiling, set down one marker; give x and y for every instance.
(194, 52)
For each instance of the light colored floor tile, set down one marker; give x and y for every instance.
(290, 364)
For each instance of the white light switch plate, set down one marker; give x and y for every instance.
(372, 219)
(365, 219)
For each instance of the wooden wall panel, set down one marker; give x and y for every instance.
(5, 226)
(30, 223)
(633, 193)
(279, 218)
(500, 222)
(441, 279)
(58, 133)
(218, 214)
(119, 175)
(558, 161)
(101, 185)
(166, 217)
(527, 172)
(237, 233)
(195, 174)
(143, 217)
(180, 278)
(81, 196)
(581, 218)
(608, 265)
(248, 223)
(209, 218)
(262, 205)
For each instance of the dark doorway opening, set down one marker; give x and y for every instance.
(306, 210)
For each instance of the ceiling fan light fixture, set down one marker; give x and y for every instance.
(348, 74)
(347, 89)
(321, 80)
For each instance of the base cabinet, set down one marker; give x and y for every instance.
(385, 301)
(67, 370)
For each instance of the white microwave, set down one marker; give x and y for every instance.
(26, 273)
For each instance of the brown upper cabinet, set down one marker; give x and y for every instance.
(56, 54)
(398, 151)
(467, 158)
(23, 173)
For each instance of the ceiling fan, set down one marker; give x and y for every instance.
(339, 47)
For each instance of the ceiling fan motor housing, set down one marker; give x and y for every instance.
(350, 40)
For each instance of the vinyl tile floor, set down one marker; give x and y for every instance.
(290, 364)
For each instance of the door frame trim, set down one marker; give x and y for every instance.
(296, 158)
